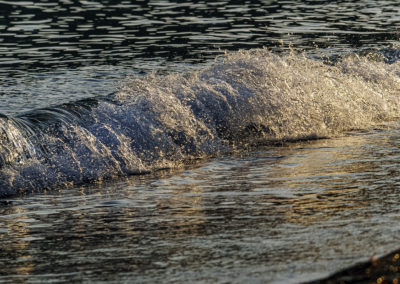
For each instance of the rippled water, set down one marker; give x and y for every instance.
(286, 212)
(70, 33)
(45, 46)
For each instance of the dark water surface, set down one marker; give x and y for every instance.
(55, 51)
(285, 213)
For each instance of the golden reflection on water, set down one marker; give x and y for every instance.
(252, 200)
(187, 210)
(314, 181)
(17, 238)
(323, 178)
(312, 208)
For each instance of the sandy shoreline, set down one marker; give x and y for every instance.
(377, 270)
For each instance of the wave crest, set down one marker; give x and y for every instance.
(161, 121)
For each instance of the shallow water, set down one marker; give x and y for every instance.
(282, 212)
(276, 214)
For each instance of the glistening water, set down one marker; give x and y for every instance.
(286, 213)
(132, 149)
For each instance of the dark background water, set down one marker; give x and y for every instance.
(58, 34)
(55, 51)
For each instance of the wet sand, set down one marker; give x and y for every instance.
(382, 270)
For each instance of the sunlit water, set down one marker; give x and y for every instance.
(287, 213)
(282, 212)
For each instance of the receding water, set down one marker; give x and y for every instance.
(222, 196)
(287, 213)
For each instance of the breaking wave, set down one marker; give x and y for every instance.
(157, 122)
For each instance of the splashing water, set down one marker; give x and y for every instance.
(156, 122)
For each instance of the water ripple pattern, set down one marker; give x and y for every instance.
(274, 215)
(58, 51)
(47, 33)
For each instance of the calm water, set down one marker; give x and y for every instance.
(284, 213)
